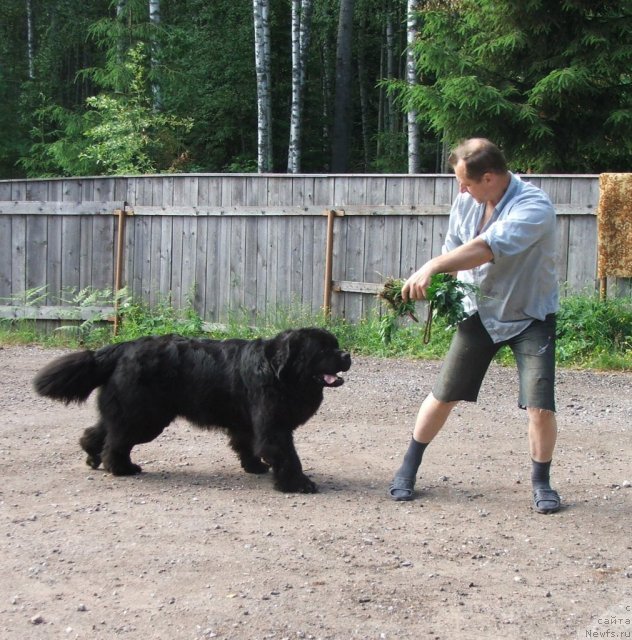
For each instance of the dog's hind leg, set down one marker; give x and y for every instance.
(118, 462)
(116, 456)
(122, 438)
(242, 446)
(92, 442)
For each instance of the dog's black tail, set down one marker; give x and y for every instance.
(72, 378)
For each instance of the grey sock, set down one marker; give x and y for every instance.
(540, 474)
(412, 459)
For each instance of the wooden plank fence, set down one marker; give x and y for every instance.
(256, 243)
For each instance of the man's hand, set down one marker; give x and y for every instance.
(415, 287)
(471, 254)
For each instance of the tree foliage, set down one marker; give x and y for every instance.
(119, 132)
(548, 79)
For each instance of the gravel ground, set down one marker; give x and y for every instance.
(193, 548)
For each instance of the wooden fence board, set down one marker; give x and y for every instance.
(71, 250)
(164, 253)
(409, 247)
(18, 255)
(283, 271)
(561, 259)
(72, 191)
(443, 191)
(373, 252)
(201, 251)
(212, 307)
(5, 192)
(375, 191)
(356, 191)
(582, 254)
(424, 191)
(324, 193)
(6, 253)
(189, 259)
(176, 289)
(55, 312)
(308, 252)
(425, 247)
(296, 260)
(262, 267)
(223, 270)
(354, 261)
(35, 251)
(209, 192)
(394, 191)
(251, 284)
(85, 251)
(238, 281)
(55, 246)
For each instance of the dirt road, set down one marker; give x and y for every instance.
(193, 548)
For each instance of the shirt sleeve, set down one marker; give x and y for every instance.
(453, 236)
(527, 220)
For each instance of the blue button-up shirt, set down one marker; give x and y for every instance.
(520, 283)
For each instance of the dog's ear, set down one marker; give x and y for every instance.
(280, 353)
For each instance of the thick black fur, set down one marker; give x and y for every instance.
(258, 391)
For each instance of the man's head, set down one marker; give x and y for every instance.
(479, 156)
(481, 169)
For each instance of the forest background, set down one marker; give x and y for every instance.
(313, 86)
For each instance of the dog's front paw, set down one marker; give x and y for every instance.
(122, 469)
(255, 465)
(93, 461)
(296, 484)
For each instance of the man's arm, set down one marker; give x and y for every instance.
(469, 255)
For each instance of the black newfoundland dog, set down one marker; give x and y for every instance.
(258, 391)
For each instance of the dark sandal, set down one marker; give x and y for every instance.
(546, 500)
(401, 488)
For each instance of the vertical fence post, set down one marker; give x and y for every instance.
(329, 258)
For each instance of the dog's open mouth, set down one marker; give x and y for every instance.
(331, 380)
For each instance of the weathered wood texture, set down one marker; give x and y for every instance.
(228, 243)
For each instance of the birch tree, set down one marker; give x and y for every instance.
(301, 32)
(154, 21)
(261, 12)
(390, 119)
(412, 80)
(30, 39)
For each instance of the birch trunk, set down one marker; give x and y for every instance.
(301, 31)
(30, 52)
(390, 119)
(262, 68)
(326, 92)
(412, 79)
(154, 21)
(120, 17)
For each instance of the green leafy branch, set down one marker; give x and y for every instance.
(445, 295)
(391, 295)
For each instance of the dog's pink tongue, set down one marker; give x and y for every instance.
(329, 379)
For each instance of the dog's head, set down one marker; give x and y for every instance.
(309, 356)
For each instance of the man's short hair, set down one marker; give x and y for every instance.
(480, 156)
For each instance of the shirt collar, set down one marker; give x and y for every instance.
(512, 189)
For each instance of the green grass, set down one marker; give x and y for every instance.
(592, 334)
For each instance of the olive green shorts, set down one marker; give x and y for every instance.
(472, 351)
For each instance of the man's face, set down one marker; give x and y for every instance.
(479, 190)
